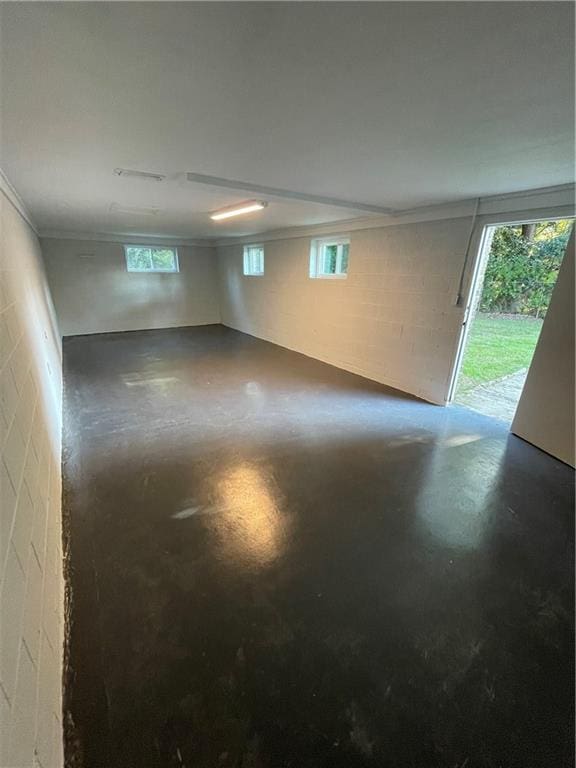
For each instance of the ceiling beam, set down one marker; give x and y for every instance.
(287, 194)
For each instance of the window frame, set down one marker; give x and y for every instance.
(246, 259)
(152, 248)
(317, 246)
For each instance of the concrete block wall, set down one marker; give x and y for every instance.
(393, 319)
(94, 293)
(31, 584)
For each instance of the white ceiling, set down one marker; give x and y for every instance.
(390, 104)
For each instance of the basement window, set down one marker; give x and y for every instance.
(254, 260)
(329, 257)
(148, 258)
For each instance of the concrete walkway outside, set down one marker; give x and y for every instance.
(498, 399)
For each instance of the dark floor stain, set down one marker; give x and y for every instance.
(275, 563)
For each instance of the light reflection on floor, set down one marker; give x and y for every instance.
(458, 514)
(250, 525)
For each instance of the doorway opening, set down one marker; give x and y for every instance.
(517, 272)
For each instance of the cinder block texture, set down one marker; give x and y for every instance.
(31, 585)
(94, 293)
(393, 319)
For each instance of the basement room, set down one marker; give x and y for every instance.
(287, 384)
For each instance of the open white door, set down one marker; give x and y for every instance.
(545, 414)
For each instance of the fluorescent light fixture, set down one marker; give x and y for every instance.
(238, 210)
(139, 174)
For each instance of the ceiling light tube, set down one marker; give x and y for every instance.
(238, 210)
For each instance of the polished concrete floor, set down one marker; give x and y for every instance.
(276, 563)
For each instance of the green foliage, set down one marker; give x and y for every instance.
(330, 253)
(163, 258)
(345, 253)
(334, 259)
(139, 258)
(521, 271)
(146, 259)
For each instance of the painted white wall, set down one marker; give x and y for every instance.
(545, 414)
(393, 319)
(31, 584)
(94, 293)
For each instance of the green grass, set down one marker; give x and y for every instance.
(497, 346)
